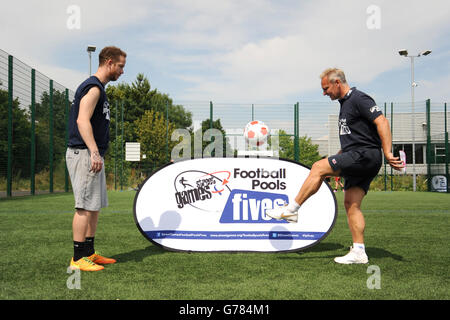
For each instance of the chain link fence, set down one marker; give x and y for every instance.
(33, 138)
(34, 110)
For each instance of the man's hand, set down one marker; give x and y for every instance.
(96, 162)
(394, 162)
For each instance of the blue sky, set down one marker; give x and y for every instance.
(243, 51)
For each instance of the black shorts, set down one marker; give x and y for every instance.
(358, 167)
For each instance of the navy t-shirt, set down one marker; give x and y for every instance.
(99, 120)
(356, 127)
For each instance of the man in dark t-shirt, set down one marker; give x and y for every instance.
(99, 120)
(88, 142)
(363, 131)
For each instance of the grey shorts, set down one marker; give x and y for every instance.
(89, 188)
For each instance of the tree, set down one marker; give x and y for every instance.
(42, 116)
(151, 130)
(309, 152)
(20, 135)
(209, 142)
(285, 145)
(138, 98)
(22, 132)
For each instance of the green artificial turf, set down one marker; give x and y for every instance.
(407, 240)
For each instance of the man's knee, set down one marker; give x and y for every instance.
(83, 212)
(353, 199)
(351, 206)
(322, 168)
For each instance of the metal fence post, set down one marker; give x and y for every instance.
(10, 126)
(210, 115)
(167, 131)
(447, 176)
(384, 159)
(33, 133)
(50, 152)
(296, 133)
(115, 147)
(122, 147)
(66, 118)
(428, 105)
(392, 135)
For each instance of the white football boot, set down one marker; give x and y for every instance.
(354, 256)
(283, 213)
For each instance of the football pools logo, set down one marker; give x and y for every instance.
(245, 206)
(211, 192)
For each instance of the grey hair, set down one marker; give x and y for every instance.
(333, 74)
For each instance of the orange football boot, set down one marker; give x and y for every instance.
(84, 264)
(98, 259)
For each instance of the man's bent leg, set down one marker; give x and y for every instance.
(319, 171)
(311, 185)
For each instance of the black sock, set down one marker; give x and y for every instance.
(89, 246)
(78, 250)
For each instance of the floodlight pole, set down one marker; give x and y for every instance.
(413, 116)
(413, 121)
(90, 68)
(90, 49)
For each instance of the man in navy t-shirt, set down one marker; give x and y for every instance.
(363, 131)
(99, 120)
(88, 142)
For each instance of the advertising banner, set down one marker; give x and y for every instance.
(439, 183)
(218, 204)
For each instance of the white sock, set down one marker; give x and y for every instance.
(293, 206)
(359, 247)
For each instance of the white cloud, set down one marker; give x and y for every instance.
(326, 34)
(436, 90)
(36, 31)
(231, 50)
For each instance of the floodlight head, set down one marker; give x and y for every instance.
(91, 49)
(425, 53)
(403, 52)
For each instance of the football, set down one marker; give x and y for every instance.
(256, 133)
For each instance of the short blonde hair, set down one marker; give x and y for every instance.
(333, 74)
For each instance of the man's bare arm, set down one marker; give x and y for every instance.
(87, 107)
(384, 132)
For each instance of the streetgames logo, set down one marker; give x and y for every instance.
(196, 187)
(106, 111)
(343, 127)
